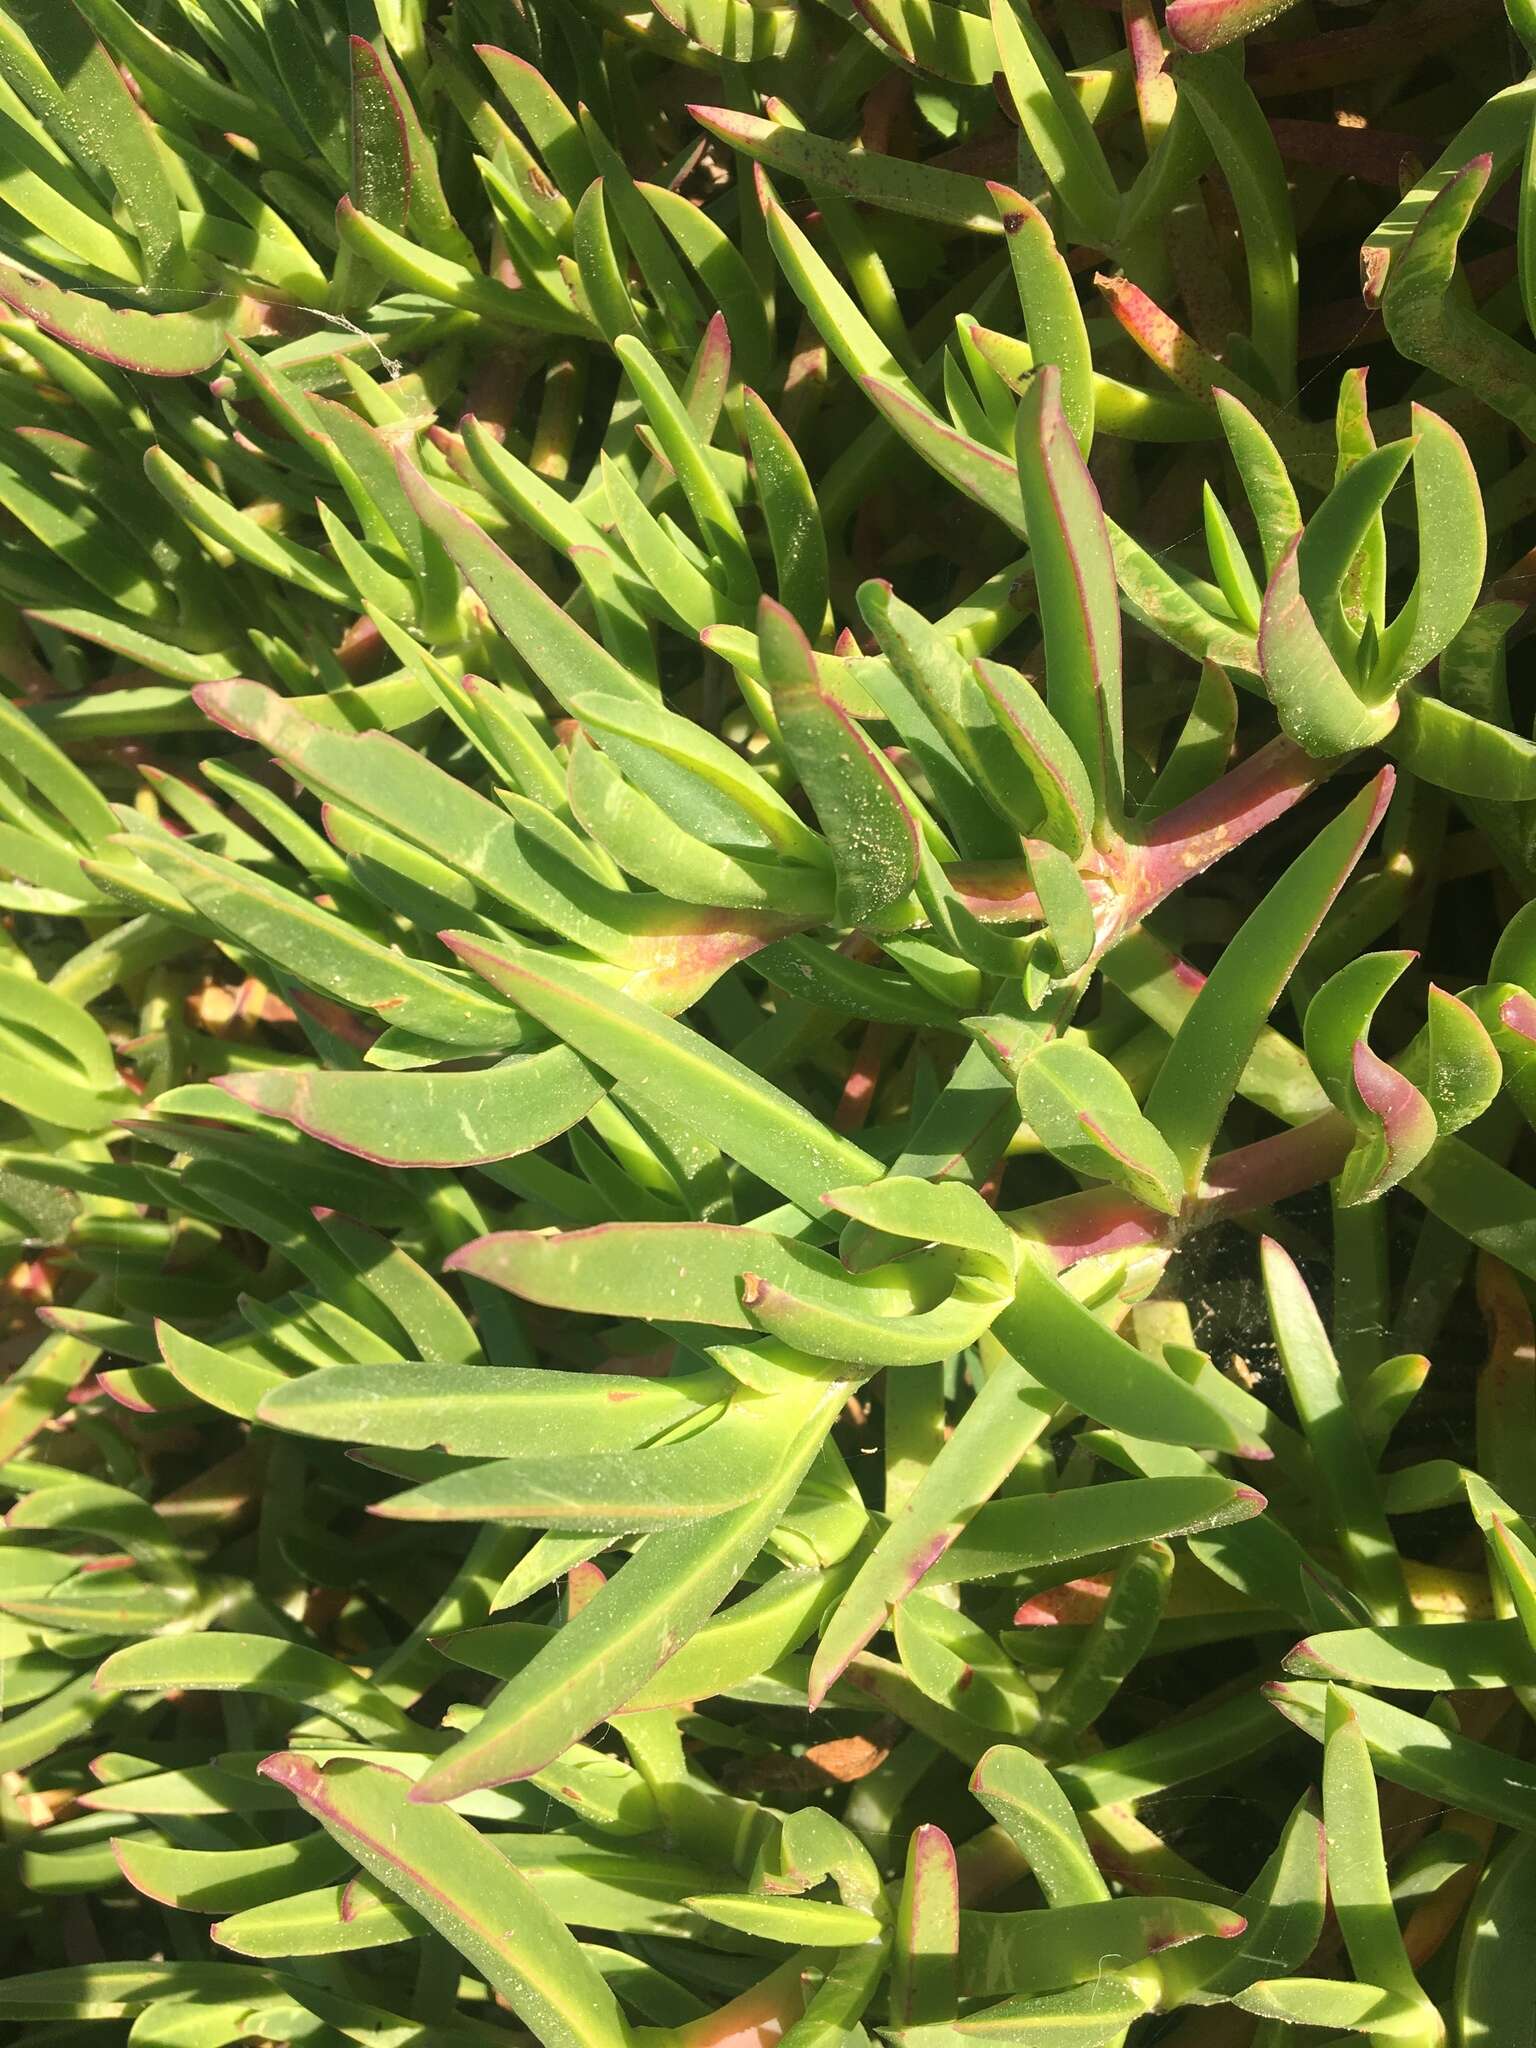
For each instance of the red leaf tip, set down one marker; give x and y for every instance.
(293, 1772)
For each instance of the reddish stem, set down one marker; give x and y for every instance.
(1254, 1176)
(1135, 876)
(1097, 1220)
(864, 1077)
(1196, 834)
(1249, 1177)
(1282, 69)
(1374, 155)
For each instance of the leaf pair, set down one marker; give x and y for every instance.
(1396, 1122)
(1334, 666)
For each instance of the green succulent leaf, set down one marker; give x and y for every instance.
(1075, 578)
(1080, 1108)
(1494, 1969)
(437, 1864)
(1059, 1341)
(873, 837)
(1058, 129)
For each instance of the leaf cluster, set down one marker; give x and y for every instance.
(767, 973)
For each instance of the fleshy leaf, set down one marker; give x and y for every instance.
(1058, 1341)
(1433, 323)
(1344, 1466)
(873, 837)
(1059, 130)
(1053, 319)
(1075, 579)
(1313, 699)
(1081, 1109)
(1211, 24)
(431, 1119)
(926, 1933)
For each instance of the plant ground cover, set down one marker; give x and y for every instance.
(767, 1023)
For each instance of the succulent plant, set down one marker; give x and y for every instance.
(767, 970)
